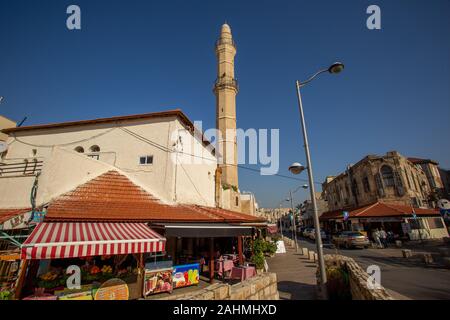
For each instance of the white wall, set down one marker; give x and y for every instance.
(65, 169)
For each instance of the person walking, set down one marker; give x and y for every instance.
(376, 237)
(383, 238)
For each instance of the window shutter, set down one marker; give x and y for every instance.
(398, 184)
(379, 184)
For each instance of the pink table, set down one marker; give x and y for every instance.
(243, 273)
(223, 266)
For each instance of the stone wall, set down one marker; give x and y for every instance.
(357, 279)
(260, 287)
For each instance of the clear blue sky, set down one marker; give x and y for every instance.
(142, 56)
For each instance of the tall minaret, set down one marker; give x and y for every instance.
(225, 90)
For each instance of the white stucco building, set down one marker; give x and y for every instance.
(161, 152)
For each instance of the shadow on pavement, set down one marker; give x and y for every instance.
(290, 290)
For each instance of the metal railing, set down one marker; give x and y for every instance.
(27, 167)
(222, 41)
(226, 82)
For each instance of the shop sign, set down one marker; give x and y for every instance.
(112, 289)
(346, 215)
(18, 222)
(280, 247)
(391, 219)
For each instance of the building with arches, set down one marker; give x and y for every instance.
(382, 192)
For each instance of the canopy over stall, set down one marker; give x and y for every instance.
(204, 230)
(55, 240)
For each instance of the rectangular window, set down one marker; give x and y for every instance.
(145, 160)
(94, 156)
(435, 223)
(366, 185)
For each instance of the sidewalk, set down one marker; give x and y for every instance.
(296, 275)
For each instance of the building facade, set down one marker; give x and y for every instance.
(5, 123)
(158, 151)
(390, 178)
(431, 169)
(445, 176)
(307, 212)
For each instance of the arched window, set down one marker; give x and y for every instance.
(79, 149)
(388, 176)
(94, 148)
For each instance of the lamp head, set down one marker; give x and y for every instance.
(296, 168)
(336, 67)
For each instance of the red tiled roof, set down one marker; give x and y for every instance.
(379, 209)
(113, 197)
(6, 214)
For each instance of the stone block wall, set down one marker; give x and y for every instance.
(357, 279)
(260, 287)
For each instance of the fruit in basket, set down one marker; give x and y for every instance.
(49, 276)
(107, 269)
(95, 270)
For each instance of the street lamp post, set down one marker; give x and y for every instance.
(334, 68)
(294, 222)
(280, 218)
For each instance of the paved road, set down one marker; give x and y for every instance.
(410, 279)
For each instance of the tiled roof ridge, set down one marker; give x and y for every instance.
(370, 206)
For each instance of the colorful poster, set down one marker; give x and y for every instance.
(156, 281)
(113, 289)
(185, 275)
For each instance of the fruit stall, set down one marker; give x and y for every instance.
(52, 276)
(76, 268)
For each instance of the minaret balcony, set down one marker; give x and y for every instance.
(222, 83)
(223, 41)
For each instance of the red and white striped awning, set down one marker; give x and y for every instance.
(56, 240)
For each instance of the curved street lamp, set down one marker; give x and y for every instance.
(335, 68)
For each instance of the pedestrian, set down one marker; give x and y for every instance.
(383, 238)
(376, 237)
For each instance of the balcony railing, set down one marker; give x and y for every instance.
(25, 167)
(225, 41)
(226, 82)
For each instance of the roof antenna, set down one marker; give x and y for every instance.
(21, 122)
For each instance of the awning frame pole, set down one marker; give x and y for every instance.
(6, 236)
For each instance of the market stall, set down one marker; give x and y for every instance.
(100, 251)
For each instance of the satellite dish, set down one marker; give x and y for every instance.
(443, 204)
(3, 146)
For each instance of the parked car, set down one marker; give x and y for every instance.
(307, 232)
(351, 239)
(323, 235)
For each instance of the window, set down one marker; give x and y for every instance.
(94, 148)
(380, 189)
(388, 176)
(94, 156)
(145, 160)
(237, 201)
(416, 224)
(79, 149)
(435, 223)
(408, 179)
(366, 185)
(355, 188)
